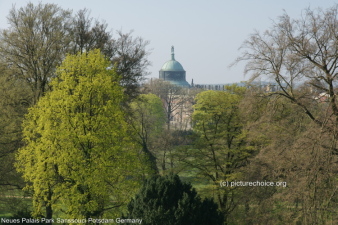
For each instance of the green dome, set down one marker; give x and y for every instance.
(173, 72)
(172, 65)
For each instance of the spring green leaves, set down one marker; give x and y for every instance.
(78, 158)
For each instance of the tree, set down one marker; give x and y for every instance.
(297, 51)
(13, 105)
(172, 96)
(35, 44)
(15, 95)
(38, 39)
(147, 121)
(29, 52)
(167, 200)
(175, 102)
(219, 148)
(40, 36)
(300, 55)
(293, 150)
(78, 158)
(127, 53)
(88, 36)
(130, 58)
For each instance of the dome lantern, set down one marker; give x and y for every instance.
(172, 53)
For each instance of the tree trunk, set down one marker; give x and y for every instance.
(49, 210)
(151, 157)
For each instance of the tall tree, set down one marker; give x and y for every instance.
(291, 149)
(127, 53)
(14, 103)
(175, 100)
(299, 50)
(300, 55)
(147, 121)
(220, 148)
(130, 59)
(40, 35)
(89, 34)
(78, 158)
(35, 44)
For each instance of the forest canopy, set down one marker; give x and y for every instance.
(81, 136)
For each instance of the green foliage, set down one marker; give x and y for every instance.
(14, 101)
(220, 136)
(40, 35)
(36, 43)
(166, 200)
(147, 121)
(293, 150)
(14, 205)
(149, 114)
(219, 146)
(78, 158)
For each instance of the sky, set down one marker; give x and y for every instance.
(206, 35)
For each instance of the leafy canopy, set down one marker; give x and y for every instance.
(78, 158)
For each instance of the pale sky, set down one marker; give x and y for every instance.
(206, 34)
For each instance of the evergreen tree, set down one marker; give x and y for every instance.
(168, 201)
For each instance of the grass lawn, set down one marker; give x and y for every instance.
(202, 185)
(12, 201)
